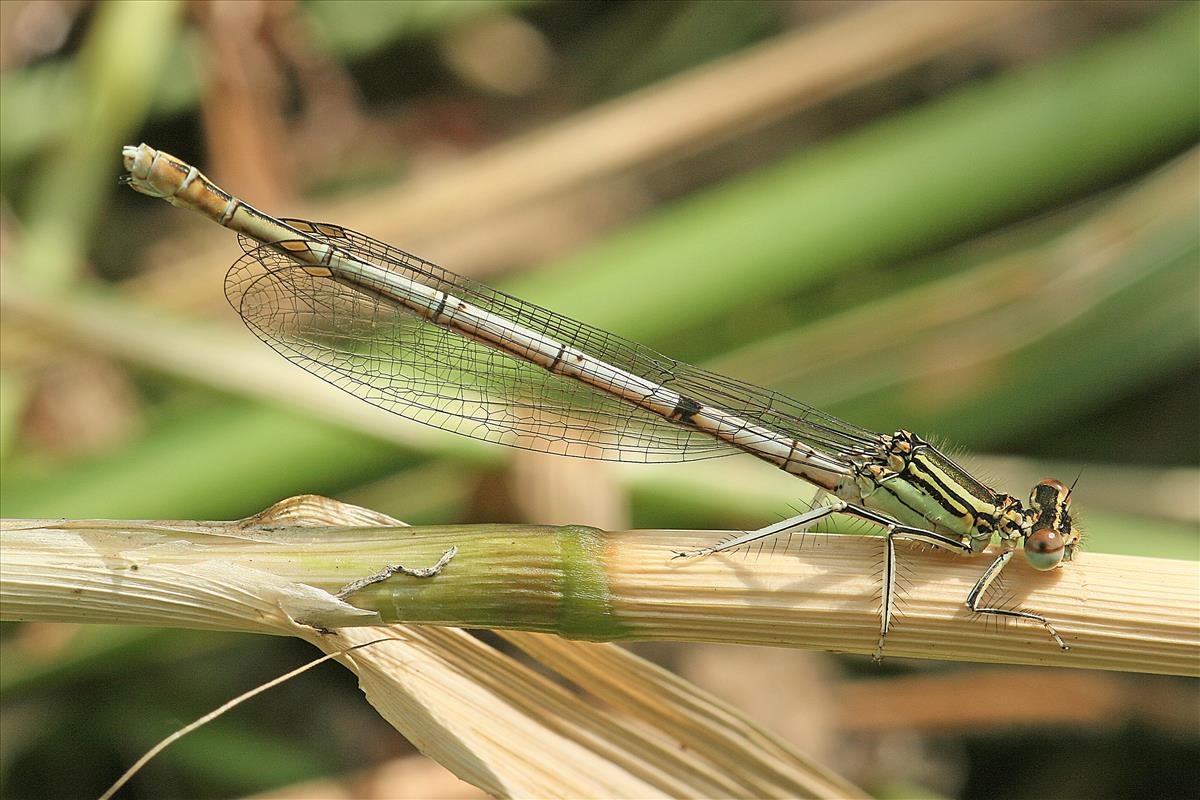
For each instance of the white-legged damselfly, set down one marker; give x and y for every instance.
(420, 341)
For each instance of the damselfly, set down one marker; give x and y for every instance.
(420, 341)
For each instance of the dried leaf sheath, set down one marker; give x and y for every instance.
(493, 721)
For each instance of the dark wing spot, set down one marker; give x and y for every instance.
(686, 410)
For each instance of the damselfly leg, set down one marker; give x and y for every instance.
(893, 532)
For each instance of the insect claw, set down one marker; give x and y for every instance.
(703, 551)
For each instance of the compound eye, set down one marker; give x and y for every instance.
(1044, 548)
(1049, 492)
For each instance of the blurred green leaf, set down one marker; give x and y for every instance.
(212, 462)
(116, 83)
(355, 28)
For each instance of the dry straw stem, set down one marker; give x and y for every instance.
(493, 721)
(816, 591)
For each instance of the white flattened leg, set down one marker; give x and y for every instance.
(888, 603)
(889, 594)
(783, 526)
(975, 599)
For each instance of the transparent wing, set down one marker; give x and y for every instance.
(393, 359)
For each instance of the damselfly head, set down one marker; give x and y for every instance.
(1053, 537)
